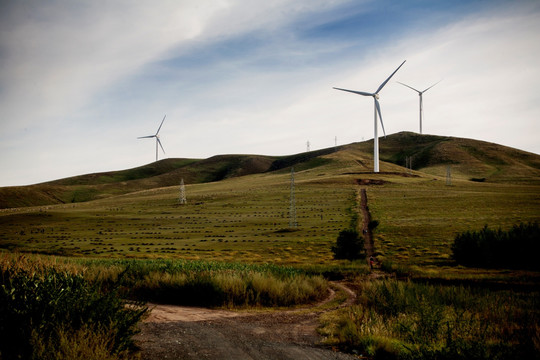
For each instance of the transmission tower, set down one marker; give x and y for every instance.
(307, 146)
(182, 198)
(292, 209)
(408, 164)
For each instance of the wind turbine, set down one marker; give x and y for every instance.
(377, 109)
(420, 95)
(157, 138)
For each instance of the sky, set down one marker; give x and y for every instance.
(81, 80)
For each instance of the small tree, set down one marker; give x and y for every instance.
(349, 245)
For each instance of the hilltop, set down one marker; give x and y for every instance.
(431, 155)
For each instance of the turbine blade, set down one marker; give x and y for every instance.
(378, 106)
(160, 125)
(355, 92)
(410, 87)
(146, 137)
(432, 86)
(384, 83)
(159, 142)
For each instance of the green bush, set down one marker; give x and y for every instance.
(38, 309)
(349, 245)
(516, 248)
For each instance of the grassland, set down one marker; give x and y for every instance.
(419, 222)
(237, 218)
(246, 219)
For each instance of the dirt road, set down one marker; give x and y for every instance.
(176, 332)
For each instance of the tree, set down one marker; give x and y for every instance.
(349, 245)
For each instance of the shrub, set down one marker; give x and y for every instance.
(349, 245)
(516, 248)
(38, 309)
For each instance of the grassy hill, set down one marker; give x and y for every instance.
(468, 160)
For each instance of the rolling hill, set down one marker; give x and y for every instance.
(431, 155)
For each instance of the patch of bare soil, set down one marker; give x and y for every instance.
(370, 182)
(177, 332)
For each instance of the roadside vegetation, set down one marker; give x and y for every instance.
(406, 320)
(65, 308)
(517, 248)
(47, 313)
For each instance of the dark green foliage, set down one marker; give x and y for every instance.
(349, 245)
(516, 248)
(42, 305)
(373, 224)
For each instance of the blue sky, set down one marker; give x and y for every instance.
(80, 81)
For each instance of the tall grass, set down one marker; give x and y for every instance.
(404, 320)
(208, 283)
(186, 282)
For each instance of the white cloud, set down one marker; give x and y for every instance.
(91, 77)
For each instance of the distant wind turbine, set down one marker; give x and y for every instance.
(157, 138)
(420, 95)
(377, 110)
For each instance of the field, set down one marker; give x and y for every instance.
(232, 242)
(246, 219)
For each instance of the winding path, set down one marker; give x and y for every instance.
(177, 332)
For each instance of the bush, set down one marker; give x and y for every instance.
(516, 248)
(39, 309)
(349, 245)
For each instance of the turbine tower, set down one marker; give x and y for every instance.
(157, 138)
(377, 110)
(420, 93)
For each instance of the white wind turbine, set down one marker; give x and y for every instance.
(420, 96)
(157, 138)
(375, 96)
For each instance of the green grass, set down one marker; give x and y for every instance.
(405, 320)
(245, 219)
(419, 222)
(234, 220)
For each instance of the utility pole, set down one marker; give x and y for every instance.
(182, 198)
(448, 176)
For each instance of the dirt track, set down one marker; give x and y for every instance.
(176, 332)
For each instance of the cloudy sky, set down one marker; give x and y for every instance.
(81, 80)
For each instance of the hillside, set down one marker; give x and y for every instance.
(468, 160)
